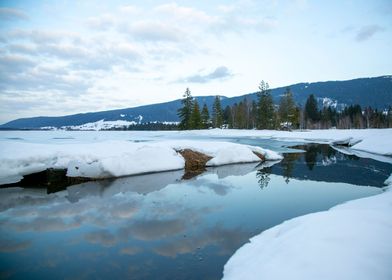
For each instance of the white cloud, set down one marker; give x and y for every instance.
(152, 30)
(130, 10)
(7, 14)
(220, 73)
(186, 13)
(102, 22)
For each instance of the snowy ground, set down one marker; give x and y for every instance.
(115, 158)
(113, 154)
(376, 141)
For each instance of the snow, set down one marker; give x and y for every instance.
(368, 140)
(388, 181)
(115, 158)
(350, 241)
(100, 125)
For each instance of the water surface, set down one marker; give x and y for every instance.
(159, 226)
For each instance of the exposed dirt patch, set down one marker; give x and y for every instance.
(261, 157)
(195, 163)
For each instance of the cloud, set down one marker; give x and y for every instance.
(226, 239)
(129, 9)
(101, 22)
(367, 31)
(148, 30)
(14, 64)
(153, 229)
(7, 14)
(185, 13)
(130, 250)
(102, 237)
(221, 72)
(10, 246)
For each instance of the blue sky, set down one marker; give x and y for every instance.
(63, 57)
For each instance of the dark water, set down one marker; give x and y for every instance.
(158, 226)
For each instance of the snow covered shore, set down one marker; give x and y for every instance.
(376, 141)
(349, 241)
(115, 158)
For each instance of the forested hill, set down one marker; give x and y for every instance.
(375, 92)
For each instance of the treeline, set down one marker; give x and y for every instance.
(287, 115)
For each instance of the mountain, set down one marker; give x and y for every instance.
(375, 92)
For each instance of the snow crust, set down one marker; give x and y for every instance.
(376, 141)
(115, 158)
(349, 241)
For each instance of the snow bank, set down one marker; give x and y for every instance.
(368, 140)
(114, 158)
(350, 241)
(225, 152)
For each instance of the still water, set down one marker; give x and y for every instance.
(159, 226)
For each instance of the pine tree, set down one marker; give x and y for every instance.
(217, 115)
(185, 112)
(287, 109)
(253, 114)
(311, 112)
(228, 117)
(241, 115)
(265, 114)
(205, 117)
(195, 116)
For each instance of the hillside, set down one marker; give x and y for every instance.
(375, 92)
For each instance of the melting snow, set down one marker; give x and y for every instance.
(115, 158)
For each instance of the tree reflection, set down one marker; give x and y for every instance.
(288, 165)
(263, 177)
(311, 156)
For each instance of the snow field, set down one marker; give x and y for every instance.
(115, 158)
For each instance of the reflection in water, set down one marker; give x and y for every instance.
(324, 163)
(157, 226)
(263, 177)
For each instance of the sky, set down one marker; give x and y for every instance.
(65, 57)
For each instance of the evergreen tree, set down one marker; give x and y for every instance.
(311, 112)
(228, 116)
(241, 115)
(253, 114)
(195, 116)
(287, 109)
(185, 112)
(205, 117)
(265, 114)
(217, 115)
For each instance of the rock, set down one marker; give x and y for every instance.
(261, 157)
(195, 162)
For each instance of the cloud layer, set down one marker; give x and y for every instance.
(113, 56)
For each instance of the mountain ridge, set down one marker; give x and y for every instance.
(360, 91)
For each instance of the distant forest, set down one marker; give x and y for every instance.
(264, 114)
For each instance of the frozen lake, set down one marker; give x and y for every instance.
(159, 226)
